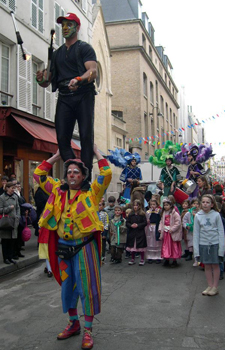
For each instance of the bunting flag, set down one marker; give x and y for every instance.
(149, 139)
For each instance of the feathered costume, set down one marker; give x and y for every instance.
(162, 154)
(121, 158)
(200, 154)
(168, 174)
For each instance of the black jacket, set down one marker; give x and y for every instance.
(136, 233)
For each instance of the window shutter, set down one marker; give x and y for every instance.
(57, 27)
(40, 16)
(40, 21)
(29, 85)
(24, 82)
(12, 4)
(48, 114)
(84, 5)
(34, 14)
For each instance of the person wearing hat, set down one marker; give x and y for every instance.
(168, 177)
(131, 173)
(194, 169)
(73, 71)
(70, 237)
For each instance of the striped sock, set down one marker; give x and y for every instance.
(88, 322)
(73, 314)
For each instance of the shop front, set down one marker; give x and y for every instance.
(25, 141)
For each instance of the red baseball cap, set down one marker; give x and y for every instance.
(70, 17)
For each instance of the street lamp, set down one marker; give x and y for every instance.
(159, 114)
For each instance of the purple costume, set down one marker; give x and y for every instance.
(196, 168)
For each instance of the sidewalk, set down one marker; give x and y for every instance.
(31, 257)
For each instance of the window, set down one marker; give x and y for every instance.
(144, 42)
(174, 121)
(160, 70)
(156, 91)
(150, 52)
(162, 105)
(146, 125)
(37, 15)
(170, 116)
(98, 79)
(118, 142)
(151, 93)
(165, 78)
(118, 114)
(166, 112)
(59, 11)
(162, 135)
(11, 4)
(152, 131)
(4, 74)
(144, 84)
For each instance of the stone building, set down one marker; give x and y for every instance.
(144, 93)
(110, 129)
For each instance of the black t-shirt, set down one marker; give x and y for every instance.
(66, 63)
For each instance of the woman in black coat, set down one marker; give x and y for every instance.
(136, 240)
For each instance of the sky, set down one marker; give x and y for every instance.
(192, 34)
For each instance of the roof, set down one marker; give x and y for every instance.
(116, 10)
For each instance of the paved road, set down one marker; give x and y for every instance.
(149, 307)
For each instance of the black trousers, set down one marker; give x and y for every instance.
(72, 108)
(7, 248)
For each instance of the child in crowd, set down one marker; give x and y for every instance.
(209, 242)
(188, 224)
(105, 220)
(128, 211)
(157, 198)
(173, 200)
(170, 233)
(118, 235)
(136, 240)
(154, 245)
(110, 211)
(185, 207)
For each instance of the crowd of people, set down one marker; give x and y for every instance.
(157, 231)
(13, 205)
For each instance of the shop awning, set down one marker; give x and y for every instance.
(44, 136)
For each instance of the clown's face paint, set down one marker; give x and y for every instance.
(74, 177)
(69, 28)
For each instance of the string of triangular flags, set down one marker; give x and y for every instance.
(155, 138)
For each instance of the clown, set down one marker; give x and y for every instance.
(71, 229)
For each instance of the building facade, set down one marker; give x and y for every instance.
(110, 129)
(27, 110)
(144, 93)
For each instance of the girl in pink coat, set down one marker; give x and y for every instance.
(170, 229)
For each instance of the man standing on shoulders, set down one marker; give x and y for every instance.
(73, 70)
(71, 228)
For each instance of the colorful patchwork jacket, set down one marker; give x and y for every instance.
(85, 208)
